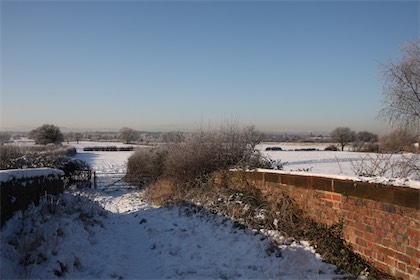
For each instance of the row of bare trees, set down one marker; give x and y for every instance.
(397, 140)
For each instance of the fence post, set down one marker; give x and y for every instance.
(94, 179)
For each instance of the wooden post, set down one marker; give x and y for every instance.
(94, 179)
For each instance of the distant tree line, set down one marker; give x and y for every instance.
(397, 140)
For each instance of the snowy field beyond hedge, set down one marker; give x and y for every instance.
(117, 235)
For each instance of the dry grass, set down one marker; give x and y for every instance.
(162, 192)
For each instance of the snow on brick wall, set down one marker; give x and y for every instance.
(19, 174)
(382, 223)
(21, 187)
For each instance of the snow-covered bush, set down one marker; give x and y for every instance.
(13, 157)
(77, 172)
(331, 148)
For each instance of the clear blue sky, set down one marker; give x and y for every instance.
(283, 66)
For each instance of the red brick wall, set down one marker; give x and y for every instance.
(382, 223)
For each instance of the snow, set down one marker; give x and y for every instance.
(95, 234)
(104, 162)
(16, 174)
(334, 164)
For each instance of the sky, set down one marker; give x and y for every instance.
(283, 66)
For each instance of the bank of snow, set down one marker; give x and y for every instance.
(94, 235)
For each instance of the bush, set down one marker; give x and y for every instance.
(12, 156)
(398, 140)
(331, 148)
(390, 165)
(190, 164)
(146, 165)
(273, 149)
(7, 154)
(206, 152)
(368, 147)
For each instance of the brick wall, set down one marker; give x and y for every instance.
(18, 193)
(381, 223)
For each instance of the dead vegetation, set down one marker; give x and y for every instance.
(197, 171)
(280, 217)
(34, 245)
(13, 156)
(389, 165)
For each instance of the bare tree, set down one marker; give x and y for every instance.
(401, 92)
(68, 136)
(72, 136)
(401, 108)
(343, 136)
(366, 142)
(127, 135)
(366, 136)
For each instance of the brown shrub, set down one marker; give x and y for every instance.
(208, 151)
(192, 162)
(146, 165)
(196, 156)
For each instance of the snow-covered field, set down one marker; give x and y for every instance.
(341, 164)
(117, 235)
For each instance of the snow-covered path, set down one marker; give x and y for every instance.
(120, 249)
(185, 241)
(117, 235)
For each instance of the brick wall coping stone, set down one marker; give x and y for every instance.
(18, 174)
(345, 185)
